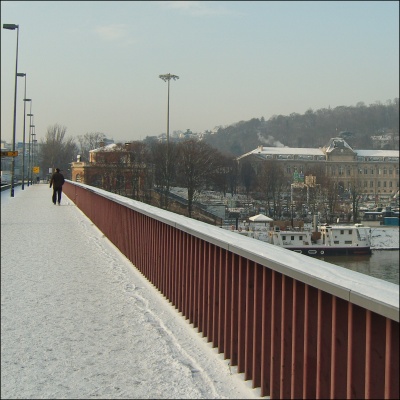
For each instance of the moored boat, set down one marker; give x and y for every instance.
(325, 240)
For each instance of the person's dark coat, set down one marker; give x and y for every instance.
(57, 180)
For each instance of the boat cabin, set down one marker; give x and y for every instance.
(345, 235)
(327, 235)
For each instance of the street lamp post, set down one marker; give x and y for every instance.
(33, 152)
(292, 206)
(23, 140)
(34, 141)
(13, 27)
(167, 78)
(30, 115)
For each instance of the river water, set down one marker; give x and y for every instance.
(382, 264)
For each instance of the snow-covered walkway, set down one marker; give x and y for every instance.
(79, 321)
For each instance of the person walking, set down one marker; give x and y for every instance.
(57, 181)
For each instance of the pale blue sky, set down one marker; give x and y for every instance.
(94, 66)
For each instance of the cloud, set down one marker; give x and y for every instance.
(197, 8)
(112, 32)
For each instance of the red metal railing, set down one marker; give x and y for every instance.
(297, 329)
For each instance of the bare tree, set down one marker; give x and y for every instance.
(57, 151)
(270, 181)
(89, 141)
(247, 176)
(330, 192)
(226, 176)
(138, 156)
(197, 163)
(163, 158)
(355, 191)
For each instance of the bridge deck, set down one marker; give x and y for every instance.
(79, 321)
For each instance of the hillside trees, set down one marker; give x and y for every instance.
(314, 128)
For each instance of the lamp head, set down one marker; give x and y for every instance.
(20, 74)
(10, 26)
(28, 100)
(167, 77)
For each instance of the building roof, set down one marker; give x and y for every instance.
(335, 143)
(261, 150)
(332, 144)
(108, 147)
(378, 153)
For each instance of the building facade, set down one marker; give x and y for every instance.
(374, 172)
(112, 167)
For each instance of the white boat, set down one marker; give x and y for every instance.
(326, 240)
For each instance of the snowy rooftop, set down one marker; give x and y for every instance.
(332, 144)
(108, 147)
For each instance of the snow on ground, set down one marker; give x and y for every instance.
(385, 237)
(79, 321)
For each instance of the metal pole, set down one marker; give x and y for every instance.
(165, 78)
(168, 118)
(33, 154)
(13, 27)
(30, 115)
(23, 140)
(167, 166)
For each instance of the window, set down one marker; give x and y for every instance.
(379, 183)
(371, 184)
(390, 171)
(384, 171)
(341, 170)
(365, 171)
(390, 184)
(384, 184)
(365, 183)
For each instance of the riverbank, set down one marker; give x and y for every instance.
(385, 238)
